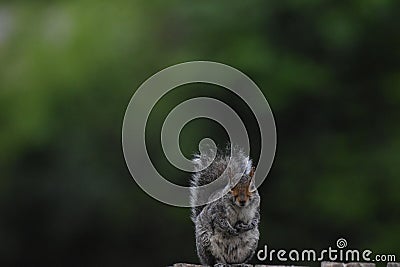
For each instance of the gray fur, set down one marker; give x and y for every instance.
(226, 233)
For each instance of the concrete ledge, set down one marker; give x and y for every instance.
(350, 264)
(323, 264)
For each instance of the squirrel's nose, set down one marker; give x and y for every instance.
(242, 202)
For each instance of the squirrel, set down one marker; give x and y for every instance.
(226, 229)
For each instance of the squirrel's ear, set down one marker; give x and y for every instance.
(230, 180)
(251, 174)
(252, 185)
(231, 177)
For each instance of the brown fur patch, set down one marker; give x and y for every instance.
(241, 192)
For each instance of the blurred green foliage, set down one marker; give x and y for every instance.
(329, 69)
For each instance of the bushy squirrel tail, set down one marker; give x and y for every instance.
(217, 161)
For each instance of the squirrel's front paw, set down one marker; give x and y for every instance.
(233, 231)
(241, 226)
